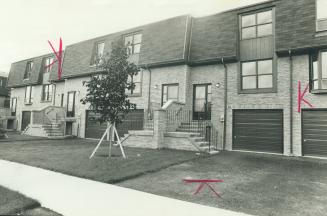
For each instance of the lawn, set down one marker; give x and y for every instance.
(14, 203)
(71, 157)
(253, 183)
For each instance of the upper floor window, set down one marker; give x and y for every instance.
(133, 43)
(257, 25)
(28, 70)
(321, 15)
(48, 62)
(97, 56)
(28, 94)
(256, 75)
(169, 92)
(136, 79)
(47, 92)
(319, 71)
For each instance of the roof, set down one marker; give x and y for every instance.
(189, 40)
(3, 74)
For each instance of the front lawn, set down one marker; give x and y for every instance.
(253, 183)
(71, 157)
(12, 202)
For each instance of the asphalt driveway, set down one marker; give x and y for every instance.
(253, 183)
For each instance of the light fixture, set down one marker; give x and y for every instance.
(155, 86)
(217, 85)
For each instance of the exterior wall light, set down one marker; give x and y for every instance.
(218, 85)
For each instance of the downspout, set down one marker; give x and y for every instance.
(291, 102)
(149, 89)
(225, 103)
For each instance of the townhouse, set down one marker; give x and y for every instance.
(245, 71)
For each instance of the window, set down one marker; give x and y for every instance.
(47, 92)
(257, 75)
(28, 95)
(62, 100)
(321, 15)
(136, 79)
(321, 9)
(28, 70)
(48, 64)
(13, 106)
(97, 56)
(71, 104)
(169, 92)
(256, 25)
(319, 71)
(133, 43)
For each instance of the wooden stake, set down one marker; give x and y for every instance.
(96, 148)
(119, 142)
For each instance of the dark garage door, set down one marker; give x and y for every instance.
(258, 130)
(133, 121)
(314, 132)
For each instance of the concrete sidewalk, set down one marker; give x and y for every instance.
(72, 196)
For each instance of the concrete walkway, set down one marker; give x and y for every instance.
(72, 196)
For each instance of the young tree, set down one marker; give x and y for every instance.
(106, 91)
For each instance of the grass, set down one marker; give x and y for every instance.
(72, 157)
(253, 183)
(12, 202)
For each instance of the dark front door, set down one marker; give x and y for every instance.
(26, 119)
(314, 132)
(258, 130)
(202, 102)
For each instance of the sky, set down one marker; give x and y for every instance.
(27, 25)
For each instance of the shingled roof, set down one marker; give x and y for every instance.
(17, 70)
(188, 40)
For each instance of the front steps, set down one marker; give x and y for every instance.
(51, 131)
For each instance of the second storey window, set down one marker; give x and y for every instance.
(28, 95)
(256, 75)
(28, 70)
(319, 71)
(13, 106)
(321, 15)
(133, 43)
(169, 92)
(256, 25)
(136, 79)
(48, 64)
(97, 53)
(47, 92)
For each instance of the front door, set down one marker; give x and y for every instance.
(71, 104)
(202, 102)
(26, 119)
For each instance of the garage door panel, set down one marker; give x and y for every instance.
(314, 132)
(258, 130)
(132, 121)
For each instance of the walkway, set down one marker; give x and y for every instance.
(73, 196)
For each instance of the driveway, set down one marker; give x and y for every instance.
(253, 183)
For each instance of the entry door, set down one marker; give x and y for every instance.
(202, 102)
(26, 119)
(71, 104)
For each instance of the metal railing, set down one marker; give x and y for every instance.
(182, 120)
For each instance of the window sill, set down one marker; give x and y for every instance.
(28, 103)
(320, 91)
(257, 91)
(45, 101)
(134, 95)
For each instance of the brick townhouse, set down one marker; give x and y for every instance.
(243, 72)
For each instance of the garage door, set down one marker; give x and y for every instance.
(314, 132)
(133, 121)
(258, 130)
